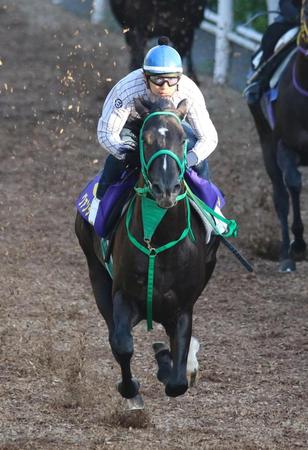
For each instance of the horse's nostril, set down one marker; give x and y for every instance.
(156, 189)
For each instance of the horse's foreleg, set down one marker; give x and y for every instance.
(281, 203)
(180, 336)
(122, 344)
(164, 361)
(287, 162)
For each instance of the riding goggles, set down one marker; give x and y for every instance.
(158, 80)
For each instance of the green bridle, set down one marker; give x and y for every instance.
(145, 165)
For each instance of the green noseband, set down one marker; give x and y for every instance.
(145, 165)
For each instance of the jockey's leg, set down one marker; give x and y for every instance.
(114, 167)
(111, 173)
(202, 168)
(264, 63)
(271, 37)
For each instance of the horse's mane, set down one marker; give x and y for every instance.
(159, 104)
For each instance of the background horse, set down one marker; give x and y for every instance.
(181, 272)
(285, 147)
(145, 19)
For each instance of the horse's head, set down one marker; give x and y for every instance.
(162, 142)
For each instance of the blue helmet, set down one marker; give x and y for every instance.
(162, 59)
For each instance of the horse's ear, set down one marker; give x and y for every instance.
(141, 107)
(182, 108)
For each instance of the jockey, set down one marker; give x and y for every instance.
(160, 76)
(288, 18)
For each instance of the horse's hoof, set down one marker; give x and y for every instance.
(129, 389)
(163, 358)
(287, 265)
(176, 390)
(135, 403)
(192, 378)
(159, 346)
(298, 249)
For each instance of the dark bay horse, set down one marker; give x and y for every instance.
(285, 147)
(145, 19)
(180, 271)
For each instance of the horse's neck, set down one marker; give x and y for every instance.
(170, 228)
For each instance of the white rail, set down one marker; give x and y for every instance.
(98, 12)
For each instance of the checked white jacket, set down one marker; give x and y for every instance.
(119, 106)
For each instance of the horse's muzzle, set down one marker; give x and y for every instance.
(166, 201)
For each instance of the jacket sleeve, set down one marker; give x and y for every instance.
(202, 126)
(115, 113)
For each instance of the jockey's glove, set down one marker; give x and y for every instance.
(132, 158)
(191, 159)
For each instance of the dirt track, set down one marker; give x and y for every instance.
(57, 373)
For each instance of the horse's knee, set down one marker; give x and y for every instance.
(293, 179)
(122, 344)
(287, 162)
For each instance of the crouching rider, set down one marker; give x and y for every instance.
(161, 76)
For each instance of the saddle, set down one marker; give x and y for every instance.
(110, 209)
(103, 215)
(271, 93)
(260, 77)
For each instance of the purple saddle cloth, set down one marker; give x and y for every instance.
(110, 206)
(207, 191)
(114, 199)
